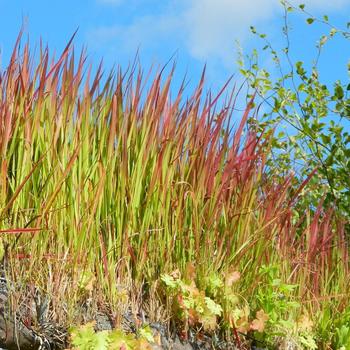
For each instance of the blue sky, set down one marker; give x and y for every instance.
(196, 31)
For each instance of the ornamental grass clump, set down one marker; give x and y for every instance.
(110, 181)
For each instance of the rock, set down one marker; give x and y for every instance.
(103, 322)
(14, 334)
(154, 347)
(286, 343)
(178, 345)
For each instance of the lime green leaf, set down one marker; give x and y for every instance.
(82, 337)
(120, 340)
(169, 281)
(101, 340)
(146, 333)
(308, 341)
(339, 92)
(213, 307)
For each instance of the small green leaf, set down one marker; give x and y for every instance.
(276, 282)
(293, 304)
(302, 6)
(333, 32)
(310, 20)
(168, 280)
(83, 337)
(101, 340)
(339, 92)
(308, 341)
(146, 333)
(213, 307)
(323, 39)
(120, 340)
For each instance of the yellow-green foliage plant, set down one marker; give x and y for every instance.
(107, 182)
(86, 338)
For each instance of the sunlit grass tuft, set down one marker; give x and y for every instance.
(111, 185)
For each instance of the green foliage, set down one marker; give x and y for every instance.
(342, 338)
(278, 315)
(145, 332)
(85, 338)
(193, 305)
(311, 118)
(219, 302)
(275, 297)
(341, 330)
(286, 318)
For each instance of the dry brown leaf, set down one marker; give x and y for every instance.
(259, 323)
(242, 324)
(157, 339)
(304, 323)
(176, 274)
(144, 345)
(209, 323)
(192, 317)
(190, 271)
(231, 278)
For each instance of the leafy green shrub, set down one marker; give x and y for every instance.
(286, 317)
(193, 306)
(85, 338)
(311, 117)
(218, 303)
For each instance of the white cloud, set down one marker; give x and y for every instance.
(214, 25)
(147, 31)
(207, 28)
